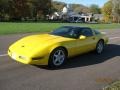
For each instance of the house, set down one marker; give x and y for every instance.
(67, 14)
(98, 17)
(79, 18)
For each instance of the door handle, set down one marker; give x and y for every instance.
(93, 38)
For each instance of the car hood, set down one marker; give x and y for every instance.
(31, 43)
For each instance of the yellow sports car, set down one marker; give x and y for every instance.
(54, 48)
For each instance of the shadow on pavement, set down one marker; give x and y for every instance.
(111, 51)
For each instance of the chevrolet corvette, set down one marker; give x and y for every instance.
(53, 49)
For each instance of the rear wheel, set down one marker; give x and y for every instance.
(57, 58)
(100, 47)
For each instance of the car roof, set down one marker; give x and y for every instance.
(76, 27)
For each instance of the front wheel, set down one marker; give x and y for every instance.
(100, 47)
(57, 58)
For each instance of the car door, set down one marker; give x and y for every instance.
(72, 43)
(87, 44)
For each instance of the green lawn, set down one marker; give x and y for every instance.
(12, 28)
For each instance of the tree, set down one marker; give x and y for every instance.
(3, 9)
(42, 8)
(18, 9)
(29, 9)
(58, 6)
(95, 9)
(107, 11)
(78, 8)
(116, 10)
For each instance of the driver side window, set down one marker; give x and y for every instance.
(87, 32)
(73, 33)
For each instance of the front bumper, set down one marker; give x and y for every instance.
(27, 60)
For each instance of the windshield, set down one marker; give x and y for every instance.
(65, 32)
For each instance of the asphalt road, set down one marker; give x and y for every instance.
(85, 72)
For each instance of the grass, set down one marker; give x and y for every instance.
(113, 86)
(13, 28)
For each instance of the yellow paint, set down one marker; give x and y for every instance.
(42, 45)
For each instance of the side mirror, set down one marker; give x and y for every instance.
(82, 37)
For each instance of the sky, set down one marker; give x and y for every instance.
(100, 3)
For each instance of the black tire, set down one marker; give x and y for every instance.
(52, 62)
(100, 47)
